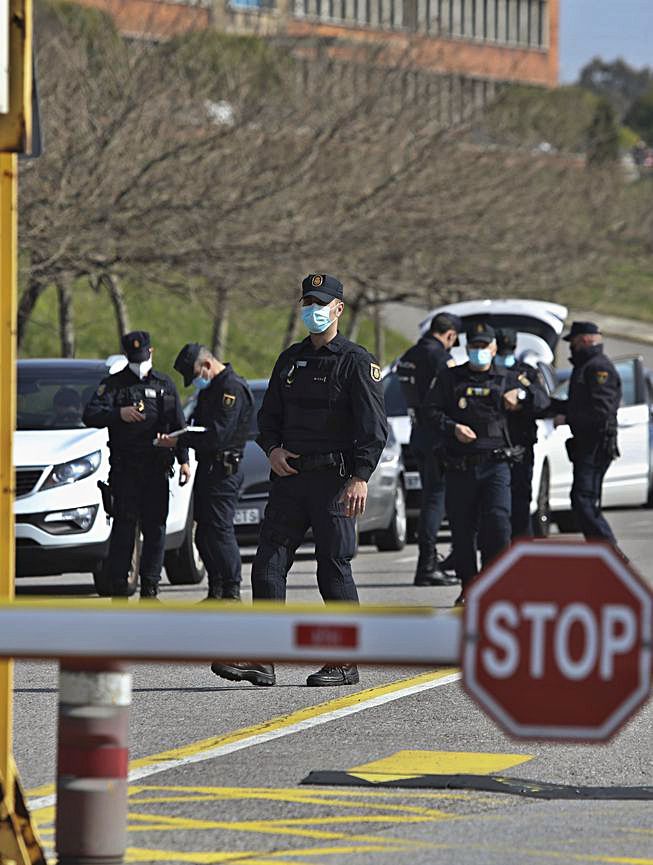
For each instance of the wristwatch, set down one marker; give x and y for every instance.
(521, 394)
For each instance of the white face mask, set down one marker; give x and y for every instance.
(141, 369)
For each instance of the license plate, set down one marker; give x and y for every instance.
(413, 481)
(247, 517)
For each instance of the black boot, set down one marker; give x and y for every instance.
(231, 592)
(257, 674)
(149, 591)
(347, 674)
(428, 572)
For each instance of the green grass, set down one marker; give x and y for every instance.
(254, 340)
(625, 289)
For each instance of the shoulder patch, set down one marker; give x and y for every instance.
(602, 376)
(101, 390)
(451, 363)
(375, 371)
(228, 399)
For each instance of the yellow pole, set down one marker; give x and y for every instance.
(8, 292)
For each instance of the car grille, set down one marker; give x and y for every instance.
(26, 480)
(254, 490)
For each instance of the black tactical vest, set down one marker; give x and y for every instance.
(317, 410)
(478, 403)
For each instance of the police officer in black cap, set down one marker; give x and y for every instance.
(323, 426)
(522, 428)
(137, 405)
(417, 372)
(224, 408)
(470, 405)
(591, 412)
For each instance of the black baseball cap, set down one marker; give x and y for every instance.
(136, 345)
(480, 331)
(506, 339)
(579, 328)
(185, 361)
(322, 286)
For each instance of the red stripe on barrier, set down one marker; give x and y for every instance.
(325, 636)
(92, 762)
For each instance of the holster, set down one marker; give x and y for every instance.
(108, 499)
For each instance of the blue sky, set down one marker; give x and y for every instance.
(607, 28)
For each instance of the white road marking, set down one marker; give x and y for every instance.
(260, 738)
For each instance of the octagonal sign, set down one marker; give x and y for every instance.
(557, 641)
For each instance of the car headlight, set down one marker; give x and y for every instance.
(75, 470)
(68, 522)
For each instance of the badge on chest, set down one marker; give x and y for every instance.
(478, 391)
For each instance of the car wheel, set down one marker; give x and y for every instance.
(542, 515)
(394, 537)
(101, 577)
(184, 566)
(567, 522)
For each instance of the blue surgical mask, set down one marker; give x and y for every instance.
(316, 318)
(480, 356)
(506, 360)
(201, 383)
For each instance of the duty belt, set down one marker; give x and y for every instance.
(463, 462)
(316, 462)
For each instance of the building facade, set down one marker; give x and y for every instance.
(484, 40)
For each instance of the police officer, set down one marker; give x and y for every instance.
(417, 371)
(224, 407)
(469, 405)
(138, 404)
(323, 426)
(591, 412)
(522, 428)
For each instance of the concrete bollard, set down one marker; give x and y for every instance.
(92, 758)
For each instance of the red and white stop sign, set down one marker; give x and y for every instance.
(557, 641)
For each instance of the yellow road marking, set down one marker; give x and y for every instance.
(307, 713)
(413, 764)
(196, 751)
(280, 857)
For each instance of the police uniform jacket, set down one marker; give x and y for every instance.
(418, 368)
(157, 399)
(463, 395)
(225, 408)
(522, 425)
(325, 401)
(594, 396)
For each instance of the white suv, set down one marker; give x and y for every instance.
(61, 526)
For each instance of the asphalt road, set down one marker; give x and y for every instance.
(241, 753)
(235, 792)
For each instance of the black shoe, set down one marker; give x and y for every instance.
(328, 675)
(447, 564)
(231, 593)
(149, 592)
(460, 600)
(437, 578)
(257, 674)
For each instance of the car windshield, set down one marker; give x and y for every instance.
(395, 404)
(54, 397)
(259, 393)
(626, 370)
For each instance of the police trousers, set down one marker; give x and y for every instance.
(214, 504)
(433, 490)
(589, 471)
(478, 507)
(521, 487)
(297, 503)
(140, 491)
